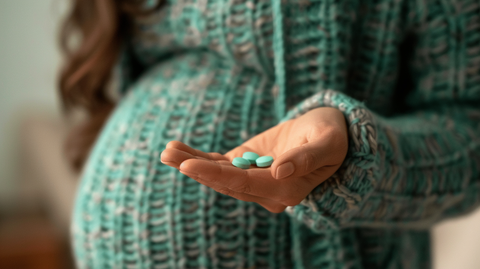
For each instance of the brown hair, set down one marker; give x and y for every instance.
(90, 38)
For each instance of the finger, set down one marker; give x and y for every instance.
(234, 178)
(257, 181)
(174, 157)
(195, 152)
(302, 160)
(268, 204)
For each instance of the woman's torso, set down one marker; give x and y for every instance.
(209, 84)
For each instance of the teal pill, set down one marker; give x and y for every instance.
(264, 161)
(250, 156)
(241, 163)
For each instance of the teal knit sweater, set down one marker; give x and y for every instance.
(213, 73)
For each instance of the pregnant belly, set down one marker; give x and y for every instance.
(132, 210)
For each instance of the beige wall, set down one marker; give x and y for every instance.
(28, 65)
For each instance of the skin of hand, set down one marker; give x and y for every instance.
(306, 151)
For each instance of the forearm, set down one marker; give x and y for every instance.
(410, 171)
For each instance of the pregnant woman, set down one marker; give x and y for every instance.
(370, 110)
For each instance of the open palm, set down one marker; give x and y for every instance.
(306, 152)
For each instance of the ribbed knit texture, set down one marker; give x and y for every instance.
(213, 73)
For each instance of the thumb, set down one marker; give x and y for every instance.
(302, 160)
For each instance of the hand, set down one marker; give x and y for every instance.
(306, 151)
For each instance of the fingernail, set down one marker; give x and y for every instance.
(182, 167)
(187, 172)
(169, 163)
(164, 160)
(284, 170)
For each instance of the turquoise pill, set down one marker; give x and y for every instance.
(241, 163)
(250, 156)
(264, 161)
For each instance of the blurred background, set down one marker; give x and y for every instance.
(37, 188)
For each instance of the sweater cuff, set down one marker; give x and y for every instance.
(336, 201)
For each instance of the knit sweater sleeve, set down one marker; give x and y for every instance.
(410, 170)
